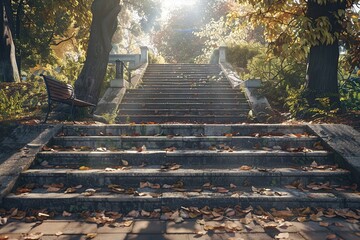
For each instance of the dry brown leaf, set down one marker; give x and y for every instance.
(207, 185)
(245, 168)
(318, 146)
(331, 237)
(91, 235)
(33, 236)
(354, 221)
(282, 236)
(66, 214)
(324, 224)
(84, 168)
(125, 163)
(200, 233)
(133, 214)
(145, 213)
(127, 223)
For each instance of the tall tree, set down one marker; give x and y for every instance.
(311, 28)
(8, 66)
(103, 27)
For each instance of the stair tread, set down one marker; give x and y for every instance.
(149, 172)
(195, 153)
(163, 194)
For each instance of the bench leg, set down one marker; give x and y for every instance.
(72, 112)
(48, 112)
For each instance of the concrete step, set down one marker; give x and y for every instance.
(185, 142)
(257, 130)
(188, 119)
(205, 73)
(204, 88)
(186, 84)
(215, 105)
(186, 158)
(199, 112)
(154, 99)
(238, 95)
(141, 90)
(150, 200)
(190, 178)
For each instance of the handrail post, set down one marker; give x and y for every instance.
(119, 81)
(119, 69)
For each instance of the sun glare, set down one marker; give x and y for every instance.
(170, 5)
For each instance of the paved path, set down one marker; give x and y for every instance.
(157, 230)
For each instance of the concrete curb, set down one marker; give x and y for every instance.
(258, 103)
(109, 104)
(23, 144)
(345, 141)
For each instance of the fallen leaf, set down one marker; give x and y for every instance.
(133, 214)
(70, 190)
(145, 213)
(33, 236)
(127, 223)
(89, 192)
(233, 186)
(66, 214)
(282, 236)
(318, 146)
(324, 224)
(302, 219)
(84, 168)
(3, 221)
(200, 233)
(141, 149)
(91, 235)
(331, 237)
(125, 163)
(245, 168)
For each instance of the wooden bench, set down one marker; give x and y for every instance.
(62, 93)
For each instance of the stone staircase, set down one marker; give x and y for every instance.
(138, 166)
(184, 93)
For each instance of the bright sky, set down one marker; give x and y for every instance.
(170, 5)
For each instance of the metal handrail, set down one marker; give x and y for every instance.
(120, 65)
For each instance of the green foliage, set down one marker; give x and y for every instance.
(179, 40)
(156, 58)
(47, 25)
(21, 99)
(240, 55)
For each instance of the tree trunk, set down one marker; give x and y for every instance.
(103, 27)
(8, 66)
(322, 73)
(324, 58)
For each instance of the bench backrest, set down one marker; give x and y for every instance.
(58, 90)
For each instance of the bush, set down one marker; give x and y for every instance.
(240, 55)
(18, 100)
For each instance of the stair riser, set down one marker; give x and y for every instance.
(185, 79)
(197, 101)
(149, 204)
(182, 91)
(228, 106)
(203, 88)
(187, 161)
(199, 112)
(238, 96)
(185, 85)
(183, 130)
